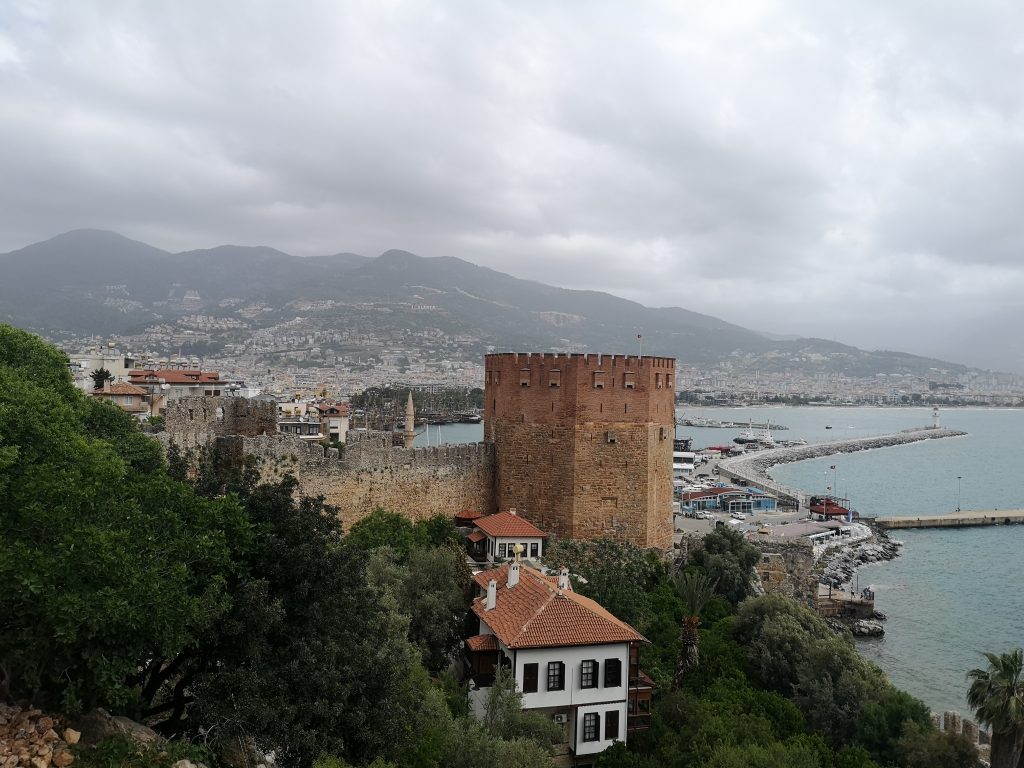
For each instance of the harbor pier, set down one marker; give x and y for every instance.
(956, 519)
(753, 468)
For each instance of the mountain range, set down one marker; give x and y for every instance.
(101, 283)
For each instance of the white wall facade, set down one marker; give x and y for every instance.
(494, 543)
(572, 657)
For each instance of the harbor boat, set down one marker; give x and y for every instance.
(828, 426)
(762, 439)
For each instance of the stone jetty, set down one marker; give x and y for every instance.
(754, 467)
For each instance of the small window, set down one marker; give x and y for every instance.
(629, 380)
(501, 550)
(556, 676)
(534, 549)
(529, 678)
(598, 379)
(554, 378)
(612, 673)
(663, 434)
(611, 724)
(658, 379)
(610, 436)
(591, 726)
(524, 377)
(588, 674)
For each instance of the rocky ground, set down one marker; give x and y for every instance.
(30, 739)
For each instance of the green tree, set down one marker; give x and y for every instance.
(924, 747)
(997, 697)
(791, 650)
(431, 590)
(616, 574)
(695, 589)
(505, 718)
(310, 661)
(729, 560)
(99, 377)
(106, 561)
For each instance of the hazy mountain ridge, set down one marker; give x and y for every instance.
(92, 281)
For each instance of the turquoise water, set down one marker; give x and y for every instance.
(951, 594)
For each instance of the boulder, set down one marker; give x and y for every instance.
(868, 628)
(98, 724)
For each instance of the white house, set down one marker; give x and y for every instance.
(571, 658)
(494, 536)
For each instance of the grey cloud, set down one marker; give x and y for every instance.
(813, 168)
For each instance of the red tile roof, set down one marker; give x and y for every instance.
(508, 524)
(482, 643)
(536, 614)
(476, 536)
(120, 388)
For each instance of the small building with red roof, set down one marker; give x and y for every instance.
(570, 657)
(127, 397)
(499, 533)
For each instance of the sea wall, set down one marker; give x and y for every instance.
(754, 468)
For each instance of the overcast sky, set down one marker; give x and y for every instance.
(850, 170)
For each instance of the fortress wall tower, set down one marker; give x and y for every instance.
(583, 443)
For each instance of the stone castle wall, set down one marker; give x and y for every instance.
(416, 482)
(194, 422)
(583, 443)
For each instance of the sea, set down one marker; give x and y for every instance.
(951, 594)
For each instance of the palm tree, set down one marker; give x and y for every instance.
(997, 696)
(695, 589)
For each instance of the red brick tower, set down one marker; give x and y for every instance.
(583, 443)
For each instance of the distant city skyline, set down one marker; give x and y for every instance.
(801, 169)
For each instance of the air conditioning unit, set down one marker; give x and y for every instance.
(561, 718)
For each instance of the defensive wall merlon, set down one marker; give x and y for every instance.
(589, 360)
(363, 451)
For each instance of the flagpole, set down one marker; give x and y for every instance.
(640, 340)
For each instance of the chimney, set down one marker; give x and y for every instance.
(513, 567)
(492, 595)
(563, 580)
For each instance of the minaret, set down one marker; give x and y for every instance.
(410, 422)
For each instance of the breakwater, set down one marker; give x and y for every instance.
(754, 468)
(956, 519)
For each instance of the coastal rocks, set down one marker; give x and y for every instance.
(29, 739)
(867, 628)
(841, 566)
